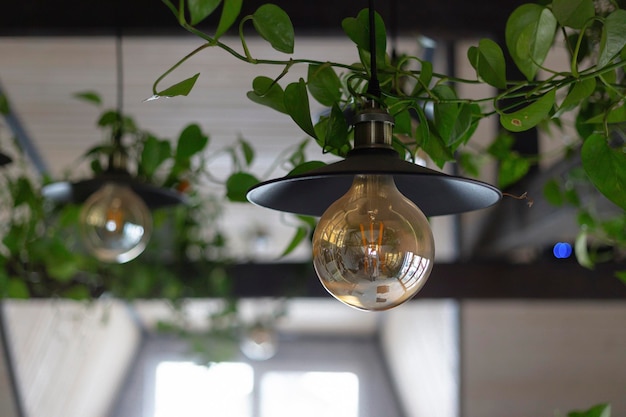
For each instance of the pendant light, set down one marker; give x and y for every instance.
(373, 247)
(115, 220)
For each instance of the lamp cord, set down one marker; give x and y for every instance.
(116, 158)
(373, 88)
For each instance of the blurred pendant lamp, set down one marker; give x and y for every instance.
(115, 220)
(373, 247)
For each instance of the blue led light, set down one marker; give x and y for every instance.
(562, 250)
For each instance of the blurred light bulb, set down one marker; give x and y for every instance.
(260, 342)
(373, 248)
(115, 224)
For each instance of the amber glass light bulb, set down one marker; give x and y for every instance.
(115, 224)
(373, 248)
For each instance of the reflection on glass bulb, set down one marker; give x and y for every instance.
(373, 249)
(115, 224)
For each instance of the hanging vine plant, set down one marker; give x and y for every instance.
(593, 90)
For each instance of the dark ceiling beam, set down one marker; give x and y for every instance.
(546, 280)
(441, 18)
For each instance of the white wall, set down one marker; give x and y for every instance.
(70, 358)
(523, 359)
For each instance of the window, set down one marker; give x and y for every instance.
(310, 376)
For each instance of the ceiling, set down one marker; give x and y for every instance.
(50, 52)
(443, 18)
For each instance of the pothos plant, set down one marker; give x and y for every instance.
(592, 90)
(41, 253)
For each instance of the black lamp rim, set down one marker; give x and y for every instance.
(65, 192)
(436, 193)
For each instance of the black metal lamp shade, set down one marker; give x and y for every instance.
(78, 192)
(435, 193)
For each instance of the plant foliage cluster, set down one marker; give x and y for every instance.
(430, 115)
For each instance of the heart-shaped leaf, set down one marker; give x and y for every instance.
(529, 116)
(606, 168)
(358, 30)
(451, 120)
(512, 169)
(201, 9)
(274, 25)
(300, 234)
(613, 37)
(529, 35)
(573, 13)
(190, 142)
(324, 84)
(488, 61)
(238, 184)
(154, 153)
(247, 150)
(268, 93)
(230, 12)
(297, 106)
(90, 97)
(579, 91)
(182, 88)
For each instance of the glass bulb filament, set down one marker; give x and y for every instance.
(115, 224)
(114, 217)
(373, 248)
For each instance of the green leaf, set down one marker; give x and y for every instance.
(606, 168)
(190, 142)
(468, 163)
(61, 263)
(153, 154)
(274, 25)
(109, 118)
(500, 148)
(488, 61)
(300, 234)
(16, 288)
(4, 104)
(511, 170)
(78, 293)
(335, 132)
(573, 13)
(297, 105)
(429, 142)
(582, 252)
(324, 84)
(230, 12)
(451, 120)
(238, 184)
(269, 93)
(182, 88)
(621, 275)
(358, 30)
(90, 97)
(306, 167)
(579, 91)
(201, 9)
(23, 193)
(425, 77)
(248, 151)
(529, 35)
(600, 410)
(552, 193)
(529, 116)
(615, 115)
(613, 37)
